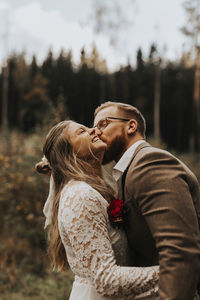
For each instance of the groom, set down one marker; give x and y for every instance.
(161, 199)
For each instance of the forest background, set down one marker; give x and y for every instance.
(34, 96)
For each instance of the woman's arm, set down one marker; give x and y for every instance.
(83, 217)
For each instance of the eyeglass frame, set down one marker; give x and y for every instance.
(112, 118)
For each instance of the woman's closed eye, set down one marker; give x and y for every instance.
(81, 130)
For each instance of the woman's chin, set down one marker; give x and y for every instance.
(99, 146)
(99, 149)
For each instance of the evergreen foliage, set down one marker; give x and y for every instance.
(59, 89)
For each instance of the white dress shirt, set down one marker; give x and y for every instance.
(124, 161)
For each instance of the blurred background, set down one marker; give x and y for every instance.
(60, 60)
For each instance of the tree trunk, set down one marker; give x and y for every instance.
(102, 90)
(5, 98)
(195, 137)
(157, 104)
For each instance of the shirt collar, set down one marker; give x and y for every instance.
(124, 161)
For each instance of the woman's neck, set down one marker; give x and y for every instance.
(96, 165)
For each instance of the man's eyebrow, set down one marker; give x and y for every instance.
(100, 121)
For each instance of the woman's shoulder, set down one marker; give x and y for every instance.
(77, 196)
(77, 186)
(80, 189)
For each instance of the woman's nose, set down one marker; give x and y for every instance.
(91, 131)
(98, 132)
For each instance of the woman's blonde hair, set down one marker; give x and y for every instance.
(64, 165)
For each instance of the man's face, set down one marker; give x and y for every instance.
(112, 132)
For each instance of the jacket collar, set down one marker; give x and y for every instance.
(126, 159)
(141, 146)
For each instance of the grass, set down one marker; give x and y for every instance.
(54, 286)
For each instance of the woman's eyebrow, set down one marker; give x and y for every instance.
(81, 127)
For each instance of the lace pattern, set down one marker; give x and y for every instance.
(88, 237)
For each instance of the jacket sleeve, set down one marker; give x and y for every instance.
(85, 225)
(161, 191)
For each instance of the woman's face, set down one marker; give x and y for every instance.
(84, 141)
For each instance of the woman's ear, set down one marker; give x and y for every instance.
(132, 126)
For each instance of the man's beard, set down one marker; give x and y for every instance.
(115, 150)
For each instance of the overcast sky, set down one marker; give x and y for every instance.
(37, 25)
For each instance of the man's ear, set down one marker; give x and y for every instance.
(132, 126)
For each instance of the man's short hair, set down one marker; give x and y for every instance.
(128, 111)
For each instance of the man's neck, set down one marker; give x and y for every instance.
(133, 141)
(129, 144)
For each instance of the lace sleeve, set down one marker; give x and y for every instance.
(83, 218)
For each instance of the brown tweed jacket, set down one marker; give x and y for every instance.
(162, 205)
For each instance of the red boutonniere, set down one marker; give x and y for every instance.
(115, 211)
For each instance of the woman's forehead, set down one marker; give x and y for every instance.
(74, 126)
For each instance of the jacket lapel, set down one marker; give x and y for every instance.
(121, 188)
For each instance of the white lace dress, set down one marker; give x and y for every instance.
(97, 253)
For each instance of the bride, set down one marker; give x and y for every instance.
(79, 231)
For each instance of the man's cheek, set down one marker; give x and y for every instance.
(103, 138)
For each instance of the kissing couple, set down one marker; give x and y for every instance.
(143, 243)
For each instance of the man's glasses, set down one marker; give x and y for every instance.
(103, 123)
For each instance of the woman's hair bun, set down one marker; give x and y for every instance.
(43, 166)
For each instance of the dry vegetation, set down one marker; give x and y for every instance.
(24, 265)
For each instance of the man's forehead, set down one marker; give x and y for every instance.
(106, 112)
